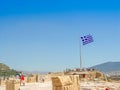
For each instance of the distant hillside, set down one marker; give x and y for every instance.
(4, 67)
(108, 66)
(6, 71)
(34, 72)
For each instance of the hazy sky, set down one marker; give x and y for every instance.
(45, 35)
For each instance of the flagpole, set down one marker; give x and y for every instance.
(85, 40)
(80, 56)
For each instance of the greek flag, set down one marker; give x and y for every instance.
(87, 39)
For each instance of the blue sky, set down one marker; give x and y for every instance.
(45, 35)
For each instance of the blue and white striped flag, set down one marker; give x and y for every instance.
(87, 39)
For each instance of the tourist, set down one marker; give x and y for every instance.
(22, 82)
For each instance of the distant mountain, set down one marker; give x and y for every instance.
(3, 67)
(108, 67)
(34, 72)
(6, 71)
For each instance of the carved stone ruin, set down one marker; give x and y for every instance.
(66, 82)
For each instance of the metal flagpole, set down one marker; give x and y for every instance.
(80, 56)
(85, 40)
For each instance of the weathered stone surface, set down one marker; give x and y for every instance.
(12, 85)
(66, 82)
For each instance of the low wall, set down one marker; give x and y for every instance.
(2, 82)
(12, 85)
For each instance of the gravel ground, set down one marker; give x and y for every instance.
(34, 86)
(83, 85)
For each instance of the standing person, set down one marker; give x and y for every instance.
(43, 80)
(22, 82)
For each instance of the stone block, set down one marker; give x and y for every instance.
(66, 82)
(12, 85)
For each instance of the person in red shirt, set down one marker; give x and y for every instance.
(22, 82)
(106, 88)
(84, 75)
